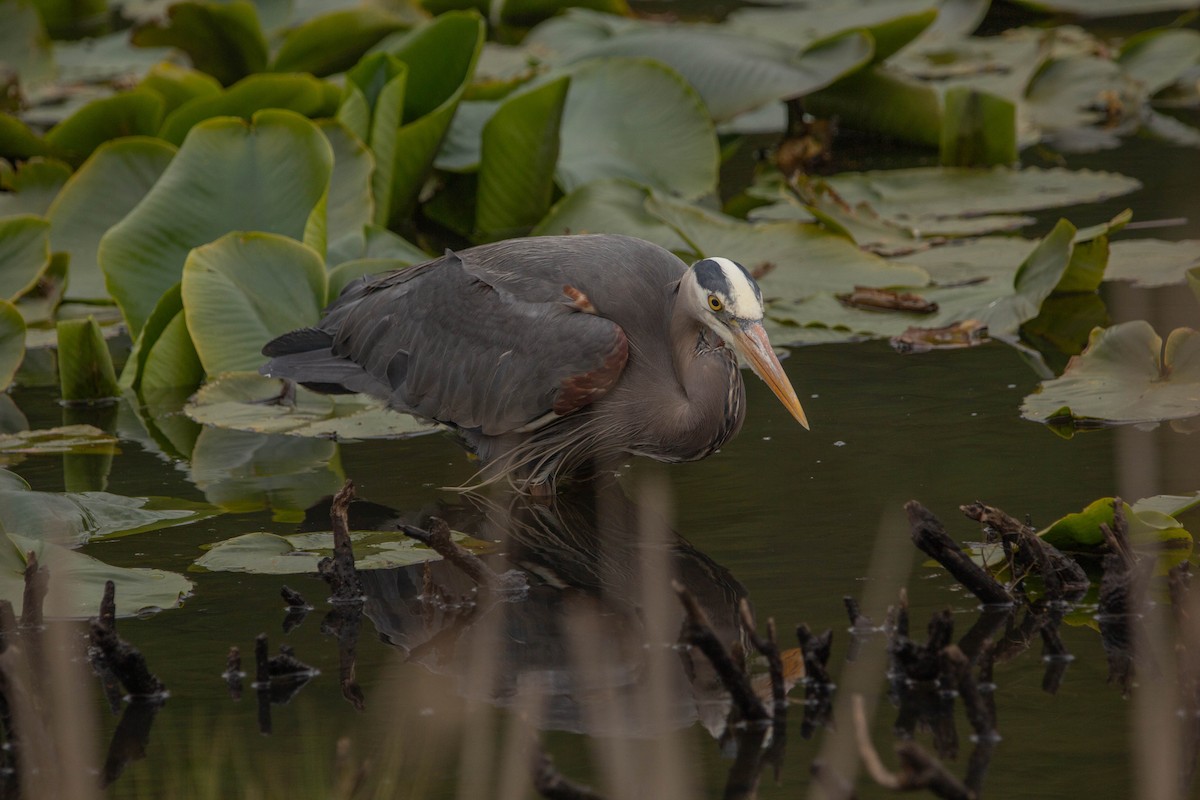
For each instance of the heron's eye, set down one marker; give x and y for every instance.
(715, 303)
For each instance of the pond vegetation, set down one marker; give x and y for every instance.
(182, 182)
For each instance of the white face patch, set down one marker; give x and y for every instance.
(742, 300)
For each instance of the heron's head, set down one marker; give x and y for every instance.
(725, 297)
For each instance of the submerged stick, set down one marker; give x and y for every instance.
(439, 540)
(769, 648)
(698, 632)
(338, 570)
(929, 535)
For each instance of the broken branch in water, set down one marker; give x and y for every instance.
(929, 535)
(697, 631)
(919, 770)
(439, 540)
(338, 570)
(126, 662)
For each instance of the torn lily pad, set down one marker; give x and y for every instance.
(77, 581)
(1126, 375)
(270, 554)
(247, 401)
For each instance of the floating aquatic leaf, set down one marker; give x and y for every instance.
(891, 25)
(1169, 504)
(249, 402)
(373, 109)
(24, 46)
(302, 94)
(1157, 58)
(1125, 375)
(1152, 262)
(978, 129)
(609, 206)
(177, 84)
(12, 342)
(32, 187)
(268, 176)
(733, 72)
(99, 195)
(519, 146)
(928, 195)
(223, 39)
(71, 519)
(134, 113)
(883, 101)
(77, 581)
(341, 275)
(271, 554)
(351, 207)
(75, 439)
(665, 141)
(335, 41)
(24, 253)
(1107, 8)
(85, 367)
(1147, 525)
(245, 289)
(440, 57)
(163, 354)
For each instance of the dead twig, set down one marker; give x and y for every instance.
(929, 535)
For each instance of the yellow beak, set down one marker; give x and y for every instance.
(752, 344)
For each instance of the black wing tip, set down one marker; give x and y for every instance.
(301, 340)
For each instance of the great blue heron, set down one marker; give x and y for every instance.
(548, 352)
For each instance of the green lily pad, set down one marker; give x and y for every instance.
(98, 196)
(892, 25)
(71, 519)
(271, 554)
(24, 253)
(77, 581)
(335, 41)
(12, 342)
(519, 147)
(1168, 504)
(302, 94)
(85, 368)
(241, 472)
(134, 113)
(223, 39)
(733, 72)
(1107, 8)
(1157, 58)
(1125, 375)
(1081, 531)
(269, 175)
(249, 402)
(33, 186)
(1152, 262)
(609, 206)
(245, 289)
(177, 84)
(665, 141)
(925, 196)
(163, 355)
(68, 439)
(351, 206)
(24, 46)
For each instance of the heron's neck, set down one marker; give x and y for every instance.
(700, 357)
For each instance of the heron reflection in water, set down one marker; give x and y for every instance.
(550, 353)
(579, 641)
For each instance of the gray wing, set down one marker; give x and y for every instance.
(443, 341)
